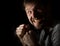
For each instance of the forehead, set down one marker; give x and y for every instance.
(32, 6)
(29, 6)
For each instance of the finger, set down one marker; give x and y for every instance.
(18, 32)
(24, 26)
(21, 26)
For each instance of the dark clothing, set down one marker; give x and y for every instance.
(47, 37)
(51, 38)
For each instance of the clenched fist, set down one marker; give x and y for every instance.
(26, 35)
(21, 30)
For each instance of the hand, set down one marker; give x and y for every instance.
(26, 36)
(28, 39)
(21, 30)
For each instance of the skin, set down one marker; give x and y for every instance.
(37, 23)
(26, 36)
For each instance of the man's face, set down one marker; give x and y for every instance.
(35, 15)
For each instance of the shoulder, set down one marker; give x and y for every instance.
(56, 28)
(56, 25)
(56, 35)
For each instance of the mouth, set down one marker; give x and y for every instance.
(37, 23)
(36, 20)
(33, 19)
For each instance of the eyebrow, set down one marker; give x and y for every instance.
(29, 9)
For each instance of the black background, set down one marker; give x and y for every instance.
(12, 14)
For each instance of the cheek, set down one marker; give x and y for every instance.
(29, 16)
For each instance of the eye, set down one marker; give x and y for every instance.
(30, 12)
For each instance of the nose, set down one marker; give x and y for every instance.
(34, 14)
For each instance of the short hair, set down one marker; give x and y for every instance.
(45, 4)
(40, 3)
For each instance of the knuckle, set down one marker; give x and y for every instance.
(22, 25)
(17, 28)
(18, 33)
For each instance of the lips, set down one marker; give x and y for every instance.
(33, 19)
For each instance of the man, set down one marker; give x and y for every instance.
(42, 31)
